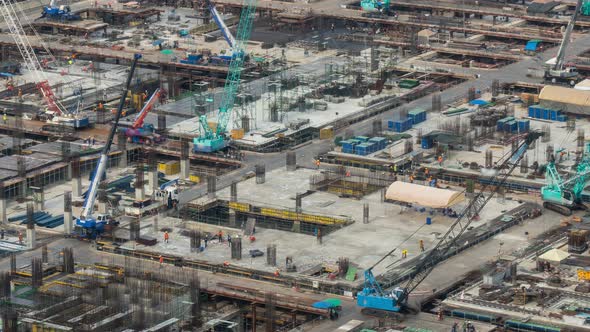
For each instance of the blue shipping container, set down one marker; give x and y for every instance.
(523, 125)
(532, 111)
(362, 138)
(427, 143)
(538, 113)
(562, 118)
(390, 124)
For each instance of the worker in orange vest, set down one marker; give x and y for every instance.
(317, 164)
(220, 236)
(166, 237)
(161, 260)
(440, 160)
(277, 273)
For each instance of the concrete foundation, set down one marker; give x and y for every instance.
(184, 168)
(31, 238)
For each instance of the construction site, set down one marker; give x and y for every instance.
(301, 165)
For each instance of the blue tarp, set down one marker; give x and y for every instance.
(322, 305)
(157, 42)
(478, 102)
(532, 45)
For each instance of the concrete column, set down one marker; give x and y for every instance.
(3, 204)
(139, 194)
(69, 172)
(211, 186)
(122, 146)
(31, 238)
(232, 218)
(184, 168)
(234, 191)
(76, 187)
(296, 227)
(153, 181)
(298, 202)
(68, 222)
(123, 160)
(102, 207)
(40, 199)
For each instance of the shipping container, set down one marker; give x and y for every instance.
(500, 124)
(562, 118)
(237, 133)
(170, 167)
(362, 138)
(362, 149)
(427, 143)
(327, 132)
(510, 126)
(417, 115)
(381, 142)
(524, 125)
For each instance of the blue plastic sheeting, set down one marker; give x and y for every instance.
(478, 102)
(322, 305)
(532, 45)
(157, 42)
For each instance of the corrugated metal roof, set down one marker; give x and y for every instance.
(565, 95)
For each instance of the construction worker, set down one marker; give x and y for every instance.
(166, 237)
(422, 245)
(426, 171)
(440, 160)
(2, 234)
(229, 240)
(277, 273)
(20, 237)
(317, 164)
(161, 260)
(220, 236)
(404, 253)
(5, 118)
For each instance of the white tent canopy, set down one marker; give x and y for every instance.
(423, 195)
(554, 256)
